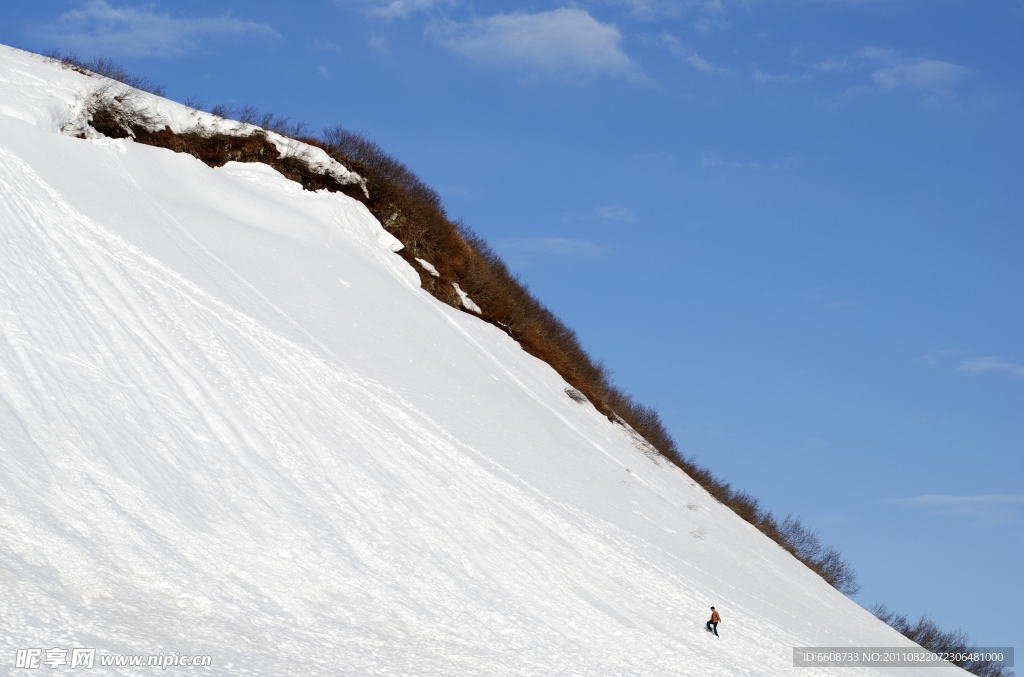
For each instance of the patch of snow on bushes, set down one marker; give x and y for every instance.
(467, 302)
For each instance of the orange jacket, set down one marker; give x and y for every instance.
(715, 618)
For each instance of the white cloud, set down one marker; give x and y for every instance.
(378, 43)
(704, 65)
(707, 24)
(615, 213)
(935, 80)
(713, 160)
(851, 2)
(403, 8)
(978, 365)
(924, 74)
(931, 359)
(878, 53)
(829, 65)
(556, 246)
(142, 31)
(326, 46)
(646, 10)
(398, 9)
(559, 41)
(986, 511)
(945, 501)
(691, 57)
(762, 77)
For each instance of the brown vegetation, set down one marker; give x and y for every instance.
(413, 212)
(115, 113)
(927, 634)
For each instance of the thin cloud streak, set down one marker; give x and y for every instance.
(326, 46)
(786, 78)
(931, 359)
(142, 31)
(550, 246)
(615, 213)
(707, 24)
(645, 10)
(944, 500)
(713, 160)
(830, 65)
(980, 365)
(691, 57)
(399, 9)
(985, 511)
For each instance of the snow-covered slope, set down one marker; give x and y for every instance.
(232, 424)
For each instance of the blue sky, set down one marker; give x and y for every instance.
(794, 226)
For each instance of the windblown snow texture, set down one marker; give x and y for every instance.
(232, 424)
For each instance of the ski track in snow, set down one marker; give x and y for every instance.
(195, 465)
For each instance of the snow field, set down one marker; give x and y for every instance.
(232, 424)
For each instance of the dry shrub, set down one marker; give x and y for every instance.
(826, 561)
(928, 635)
(251, 115)
(105, 67)
(115, 112)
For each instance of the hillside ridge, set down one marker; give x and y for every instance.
(236, 427)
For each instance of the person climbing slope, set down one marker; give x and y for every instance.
(712, 625)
